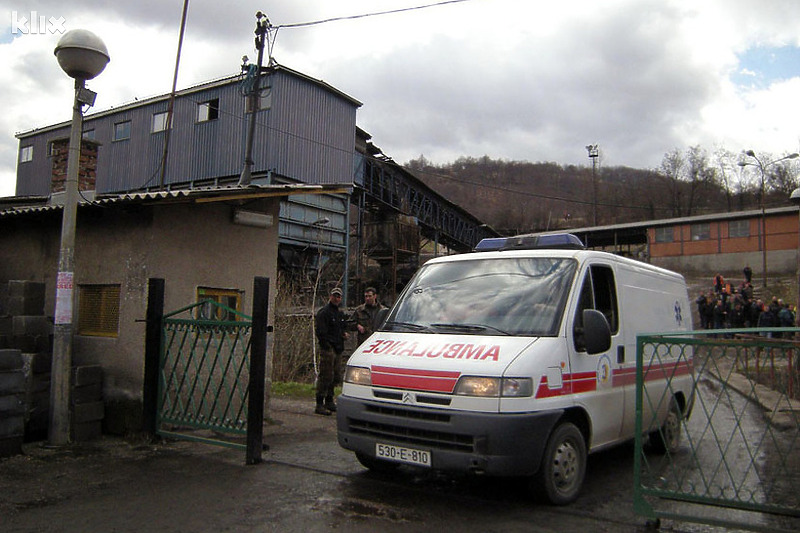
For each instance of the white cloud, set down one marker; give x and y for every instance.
(508, 79)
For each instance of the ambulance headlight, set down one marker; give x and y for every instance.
(358, 375)
(493, 387)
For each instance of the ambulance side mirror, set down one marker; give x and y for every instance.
(596, 332)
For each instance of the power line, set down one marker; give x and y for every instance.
(353, 17)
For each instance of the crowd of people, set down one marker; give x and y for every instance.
(725, 306)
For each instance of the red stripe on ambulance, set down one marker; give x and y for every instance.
(587, 381)
(571, 384)
(411, 378)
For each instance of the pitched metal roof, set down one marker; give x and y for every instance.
(16, 206)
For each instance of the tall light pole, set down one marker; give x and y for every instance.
(82, 55)
(593, 154)
(762, 166)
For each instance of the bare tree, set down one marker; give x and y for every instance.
(700, 175)
(782, 179)
(672, 168)
(726, 174)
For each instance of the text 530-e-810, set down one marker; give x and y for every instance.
(402, 455)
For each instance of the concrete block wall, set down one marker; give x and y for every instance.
(12, 402)
(26, 348)
(88, 409)
(37, 394)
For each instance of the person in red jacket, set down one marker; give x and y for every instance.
(719, 283)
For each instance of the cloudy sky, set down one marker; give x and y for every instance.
(530, 80)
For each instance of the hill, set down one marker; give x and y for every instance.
(517, 197)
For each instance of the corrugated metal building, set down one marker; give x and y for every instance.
(305, 132)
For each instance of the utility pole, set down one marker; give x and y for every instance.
(262, 25)
(168, 126)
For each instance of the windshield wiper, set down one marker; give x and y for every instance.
(470, 328)
(405, 325)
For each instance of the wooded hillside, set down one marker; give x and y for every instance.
(520, 197)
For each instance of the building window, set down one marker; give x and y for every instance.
(264, 101)
(701, 232)
(26, 154)
(122, 130)
(230, 298)
(208, 110)
(51, 149)
(98, 310)
(159, 122)
(738, 228)
(89, 134)
(665, 234)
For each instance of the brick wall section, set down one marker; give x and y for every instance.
(782, 234)
(87, 171)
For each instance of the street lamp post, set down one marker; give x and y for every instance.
(82, 55)
(762, 166)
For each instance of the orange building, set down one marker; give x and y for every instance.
(723, 242)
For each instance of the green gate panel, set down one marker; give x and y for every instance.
(738, 463)
(204, 376)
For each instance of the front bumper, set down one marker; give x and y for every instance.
(488, 443)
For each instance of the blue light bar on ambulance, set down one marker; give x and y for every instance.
(531, 242)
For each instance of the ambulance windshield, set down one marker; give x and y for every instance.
(506, 296)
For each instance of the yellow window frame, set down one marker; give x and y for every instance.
(98, 310)
(228, 297)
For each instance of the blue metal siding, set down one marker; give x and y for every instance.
(308, 135)
(299, 212)
(33, 177)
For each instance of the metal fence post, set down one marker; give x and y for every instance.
(258, 358)
(152, 354)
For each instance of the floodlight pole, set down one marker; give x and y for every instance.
(593, 154)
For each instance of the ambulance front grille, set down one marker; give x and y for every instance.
(421, 398)
(412, 436)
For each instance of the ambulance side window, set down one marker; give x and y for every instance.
(599, 291)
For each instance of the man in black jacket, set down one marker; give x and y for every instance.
(331, 334)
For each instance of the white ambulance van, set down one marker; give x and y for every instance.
(517, 360)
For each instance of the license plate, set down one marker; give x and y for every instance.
(403, 455)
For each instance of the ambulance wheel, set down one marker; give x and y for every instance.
(563, 467)
(668, 437)
(376, 465)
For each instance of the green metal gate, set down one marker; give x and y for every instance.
(738, 463)
(204, 373)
